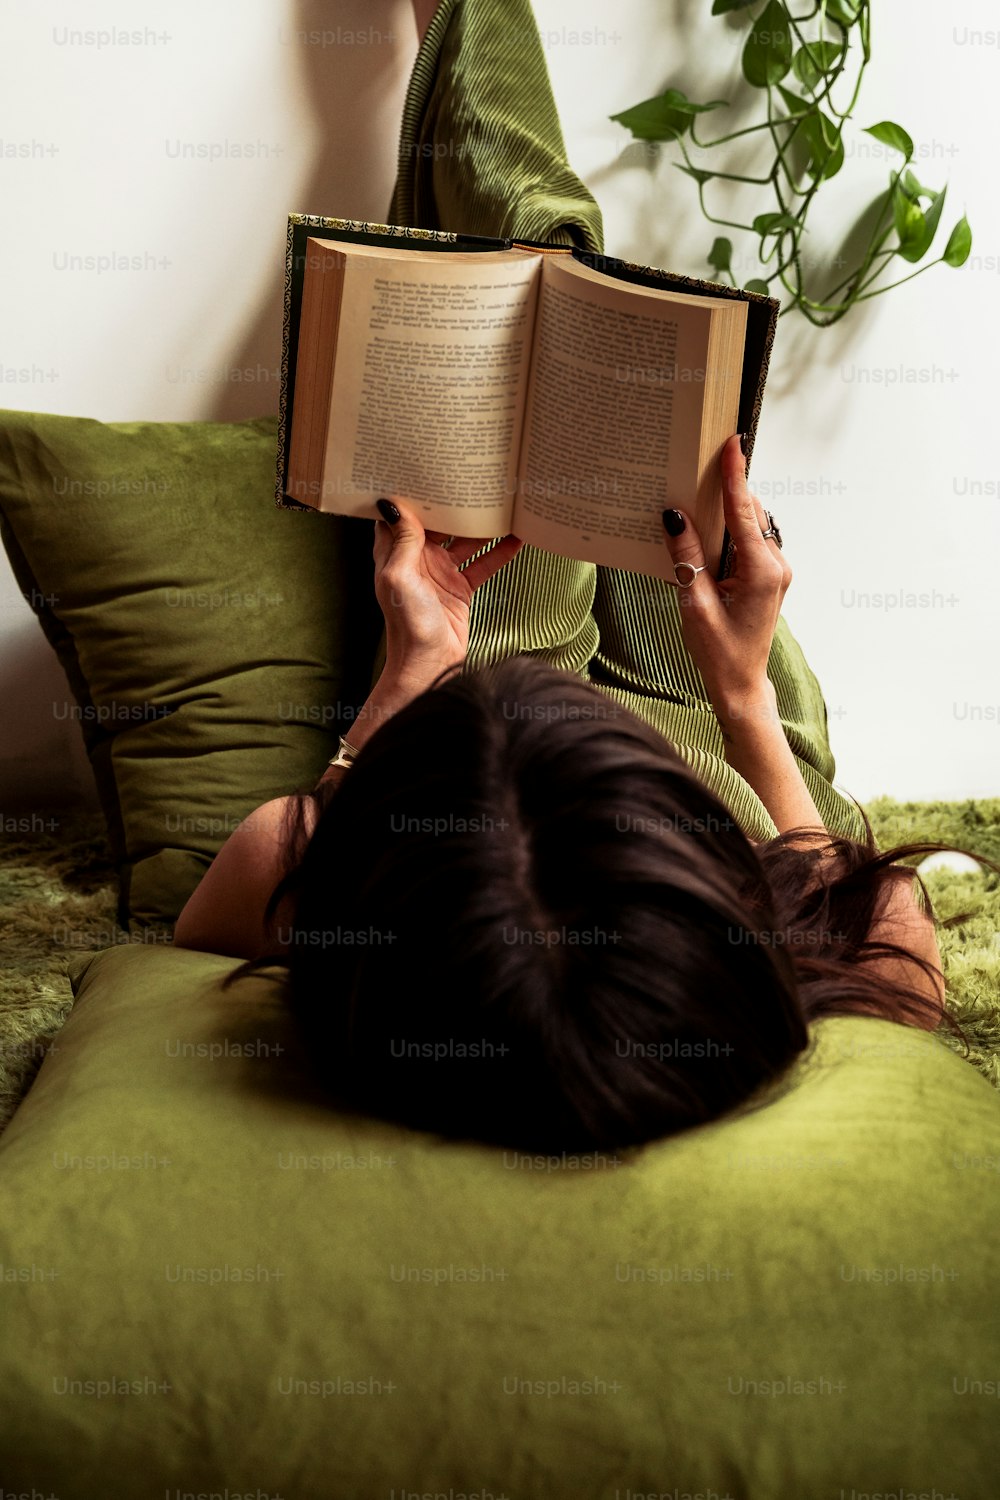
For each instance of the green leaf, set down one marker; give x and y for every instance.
(921, 241)
(699, 176)
(892, 135)
(772, 223)
(721, 254)
(664, 118)
(845, 12)
(959, 245)
(916, 189)
(756, 285)
(908, 219)
(812, 63)
(767, 55)
(813, 130)
(826, 148)
(796, 105)
(687, 106)
(720, 7)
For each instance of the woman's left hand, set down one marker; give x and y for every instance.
(424, 597)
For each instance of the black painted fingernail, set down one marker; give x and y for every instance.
(387, 511)
(674, 522)
(744, 443)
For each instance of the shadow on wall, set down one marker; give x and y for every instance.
(352, 58)
(44, 762)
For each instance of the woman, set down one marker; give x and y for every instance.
(512, 911)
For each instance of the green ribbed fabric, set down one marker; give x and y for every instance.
(481, 151)
(642, 662)
(481, 147)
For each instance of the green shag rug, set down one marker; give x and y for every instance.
(58, 896)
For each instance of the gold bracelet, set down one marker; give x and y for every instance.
(345, 756)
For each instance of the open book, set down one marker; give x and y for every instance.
(502, 388)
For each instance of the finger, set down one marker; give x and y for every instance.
(402, 538)
(762, 518)
(381, 545)
(686, 552)
(491, 562)
(438, 538)
(733, 456)
(459, 548)
(462, 548)
(744, 513)
(765, 525)
(746, 521)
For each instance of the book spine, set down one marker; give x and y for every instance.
(286, 324)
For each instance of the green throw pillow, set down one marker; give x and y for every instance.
(215, 644)
(215, 1283)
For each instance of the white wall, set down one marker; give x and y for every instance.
(880, 488)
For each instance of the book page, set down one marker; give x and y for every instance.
(613, 424)
(430, 383)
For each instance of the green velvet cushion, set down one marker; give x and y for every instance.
(213, 642)
(793, 1304)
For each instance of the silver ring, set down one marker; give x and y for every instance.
(694, 573)
(772, 528)
(447, 542)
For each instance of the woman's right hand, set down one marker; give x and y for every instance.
(728, 626)
(425, 592)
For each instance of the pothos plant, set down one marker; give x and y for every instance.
(805, 65)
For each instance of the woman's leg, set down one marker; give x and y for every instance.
(539, 605)
(481, 148)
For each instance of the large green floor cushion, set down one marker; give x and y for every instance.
(214, 1282)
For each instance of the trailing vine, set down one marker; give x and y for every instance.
(798, 62)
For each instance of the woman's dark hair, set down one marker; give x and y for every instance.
(522, 918)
